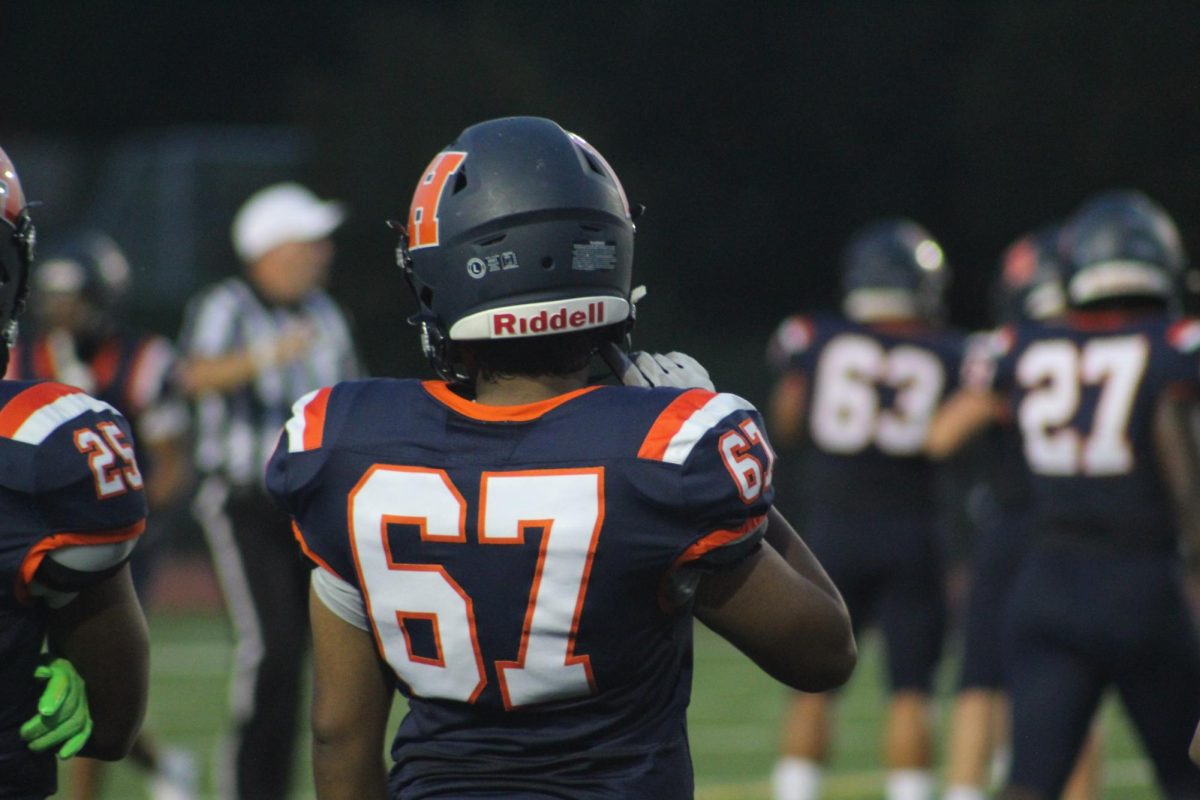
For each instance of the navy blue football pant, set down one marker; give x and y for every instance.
(997, 556)
(264, 578)
(1087, 620)
(889, 571)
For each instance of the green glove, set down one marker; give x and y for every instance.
(62, 717)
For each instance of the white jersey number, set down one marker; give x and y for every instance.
(1054, 372)
(846, 416)
(566, 504)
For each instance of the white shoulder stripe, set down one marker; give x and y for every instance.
(50, 417)
(701, 422)
(296, 423)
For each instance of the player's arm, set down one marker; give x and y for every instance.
(1194, 749)
(781, 609)
(785, 416)
(968, 412)
(102, 632)
(352, 694)
(172, 471)
(1179, 463)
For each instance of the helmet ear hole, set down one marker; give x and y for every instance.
(548, 263)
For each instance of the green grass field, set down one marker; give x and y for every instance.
(734, 720)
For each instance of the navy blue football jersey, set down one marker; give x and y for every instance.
(872, 391)
(1084, 392)
(129, 370)
(526, 570)
(68, 478)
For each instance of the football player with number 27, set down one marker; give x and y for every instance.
(1103, 401)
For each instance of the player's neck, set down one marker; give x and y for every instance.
(516, 390)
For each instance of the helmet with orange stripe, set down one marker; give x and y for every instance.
(17, 239)
(1030, 280)
(518, 229)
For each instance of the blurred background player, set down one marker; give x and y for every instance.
(1103, 402)
(862, 389)
(79, 337)
(71, 509)
(1029, 286)
(545, 543)
(251, 345)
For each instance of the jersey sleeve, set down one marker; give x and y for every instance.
(1183, 373)
(790, 347)
(293, 473)
(725, 462)
(989, 364)
(209, 323)
(84, 482)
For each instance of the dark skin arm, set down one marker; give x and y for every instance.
(352, 695)
(103, 633)
(785, 417)
(960, 419)
(783, 611)
(1179, 465)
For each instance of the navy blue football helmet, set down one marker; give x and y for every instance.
(17, 238)
(518, 228)
(893, 268)
(90, 265)
(1122, 245)
(1030, 281)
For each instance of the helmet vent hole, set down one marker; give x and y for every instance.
(493, 240)
(592, 163)
(591, 228)
(460, 181)
(548, 263)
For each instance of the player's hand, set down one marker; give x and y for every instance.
(62, 722)
(673, 369)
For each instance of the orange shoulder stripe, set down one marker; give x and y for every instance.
(23, 406)
(33, 559)
(670, 421)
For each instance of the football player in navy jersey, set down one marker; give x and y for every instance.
(71, 508)
(1029, 286)
(520, 553)
(1102, 400)
(861, 388)
(78, 336)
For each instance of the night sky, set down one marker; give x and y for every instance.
(758, 135)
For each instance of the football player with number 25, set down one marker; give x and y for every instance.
(71, 510)
(521, 554)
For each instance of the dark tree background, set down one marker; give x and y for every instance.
(758, 134)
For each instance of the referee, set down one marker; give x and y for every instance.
(250, 346)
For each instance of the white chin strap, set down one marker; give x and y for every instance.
(867, 305)
(1118, 279)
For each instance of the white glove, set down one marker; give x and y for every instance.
(673, 369)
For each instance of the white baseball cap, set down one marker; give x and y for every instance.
(282, 213)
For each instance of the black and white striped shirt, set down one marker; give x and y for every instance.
(236, 432)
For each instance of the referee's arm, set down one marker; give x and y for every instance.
(226, 373)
